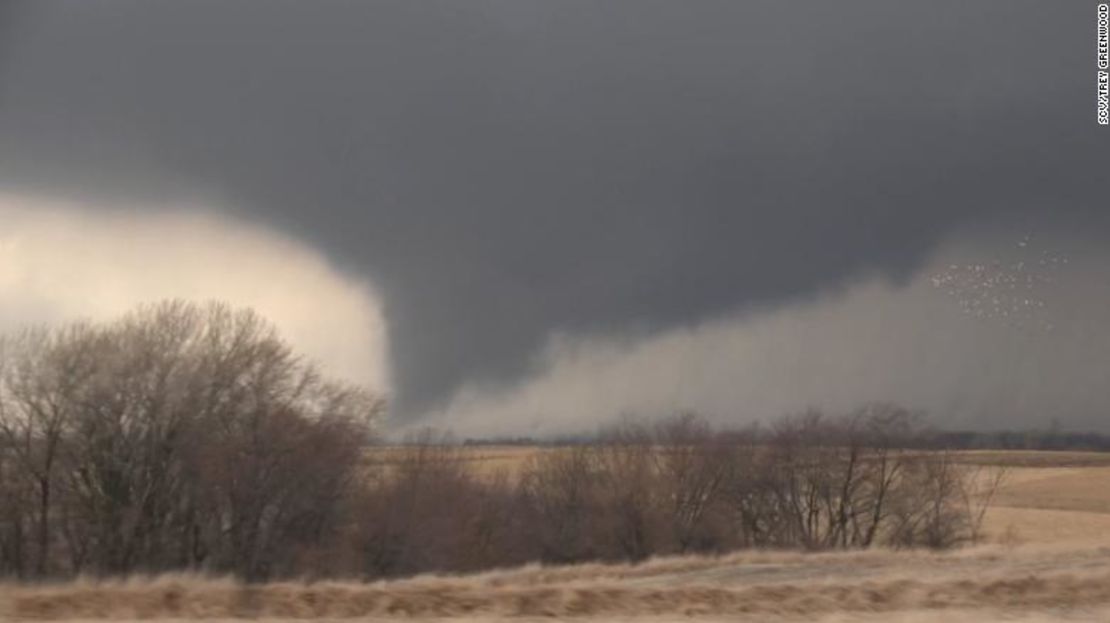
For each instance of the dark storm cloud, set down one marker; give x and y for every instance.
(507, 169)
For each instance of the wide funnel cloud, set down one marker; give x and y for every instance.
(998, 331)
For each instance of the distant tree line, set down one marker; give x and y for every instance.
(1047, 439)
(1050, 439)
(185, 437)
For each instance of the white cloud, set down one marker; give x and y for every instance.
(62, 261)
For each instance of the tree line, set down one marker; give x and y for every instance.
(178, 437)
(676, 486)
(186, 437)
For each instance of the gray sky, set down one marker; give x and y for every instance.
(507, 172)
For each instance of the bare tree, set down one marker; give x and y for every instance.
(14, 505)
(692, 464)
(978, 486)
(120, 430)
(889, 430)
(561, 489)
(630, 487)
(277, 445)
(41, 384)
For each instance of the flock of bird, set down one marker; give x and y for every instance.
(1010, 292)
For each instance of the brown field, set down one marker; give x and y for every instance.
(1050, 498)
(1047, 558)
(482, 460)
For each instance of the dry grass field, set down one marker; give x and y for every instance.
(1051, 497)
(479, 459)
(1047, 558)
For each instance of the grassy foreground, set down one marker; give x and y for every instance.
(1047, 558)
